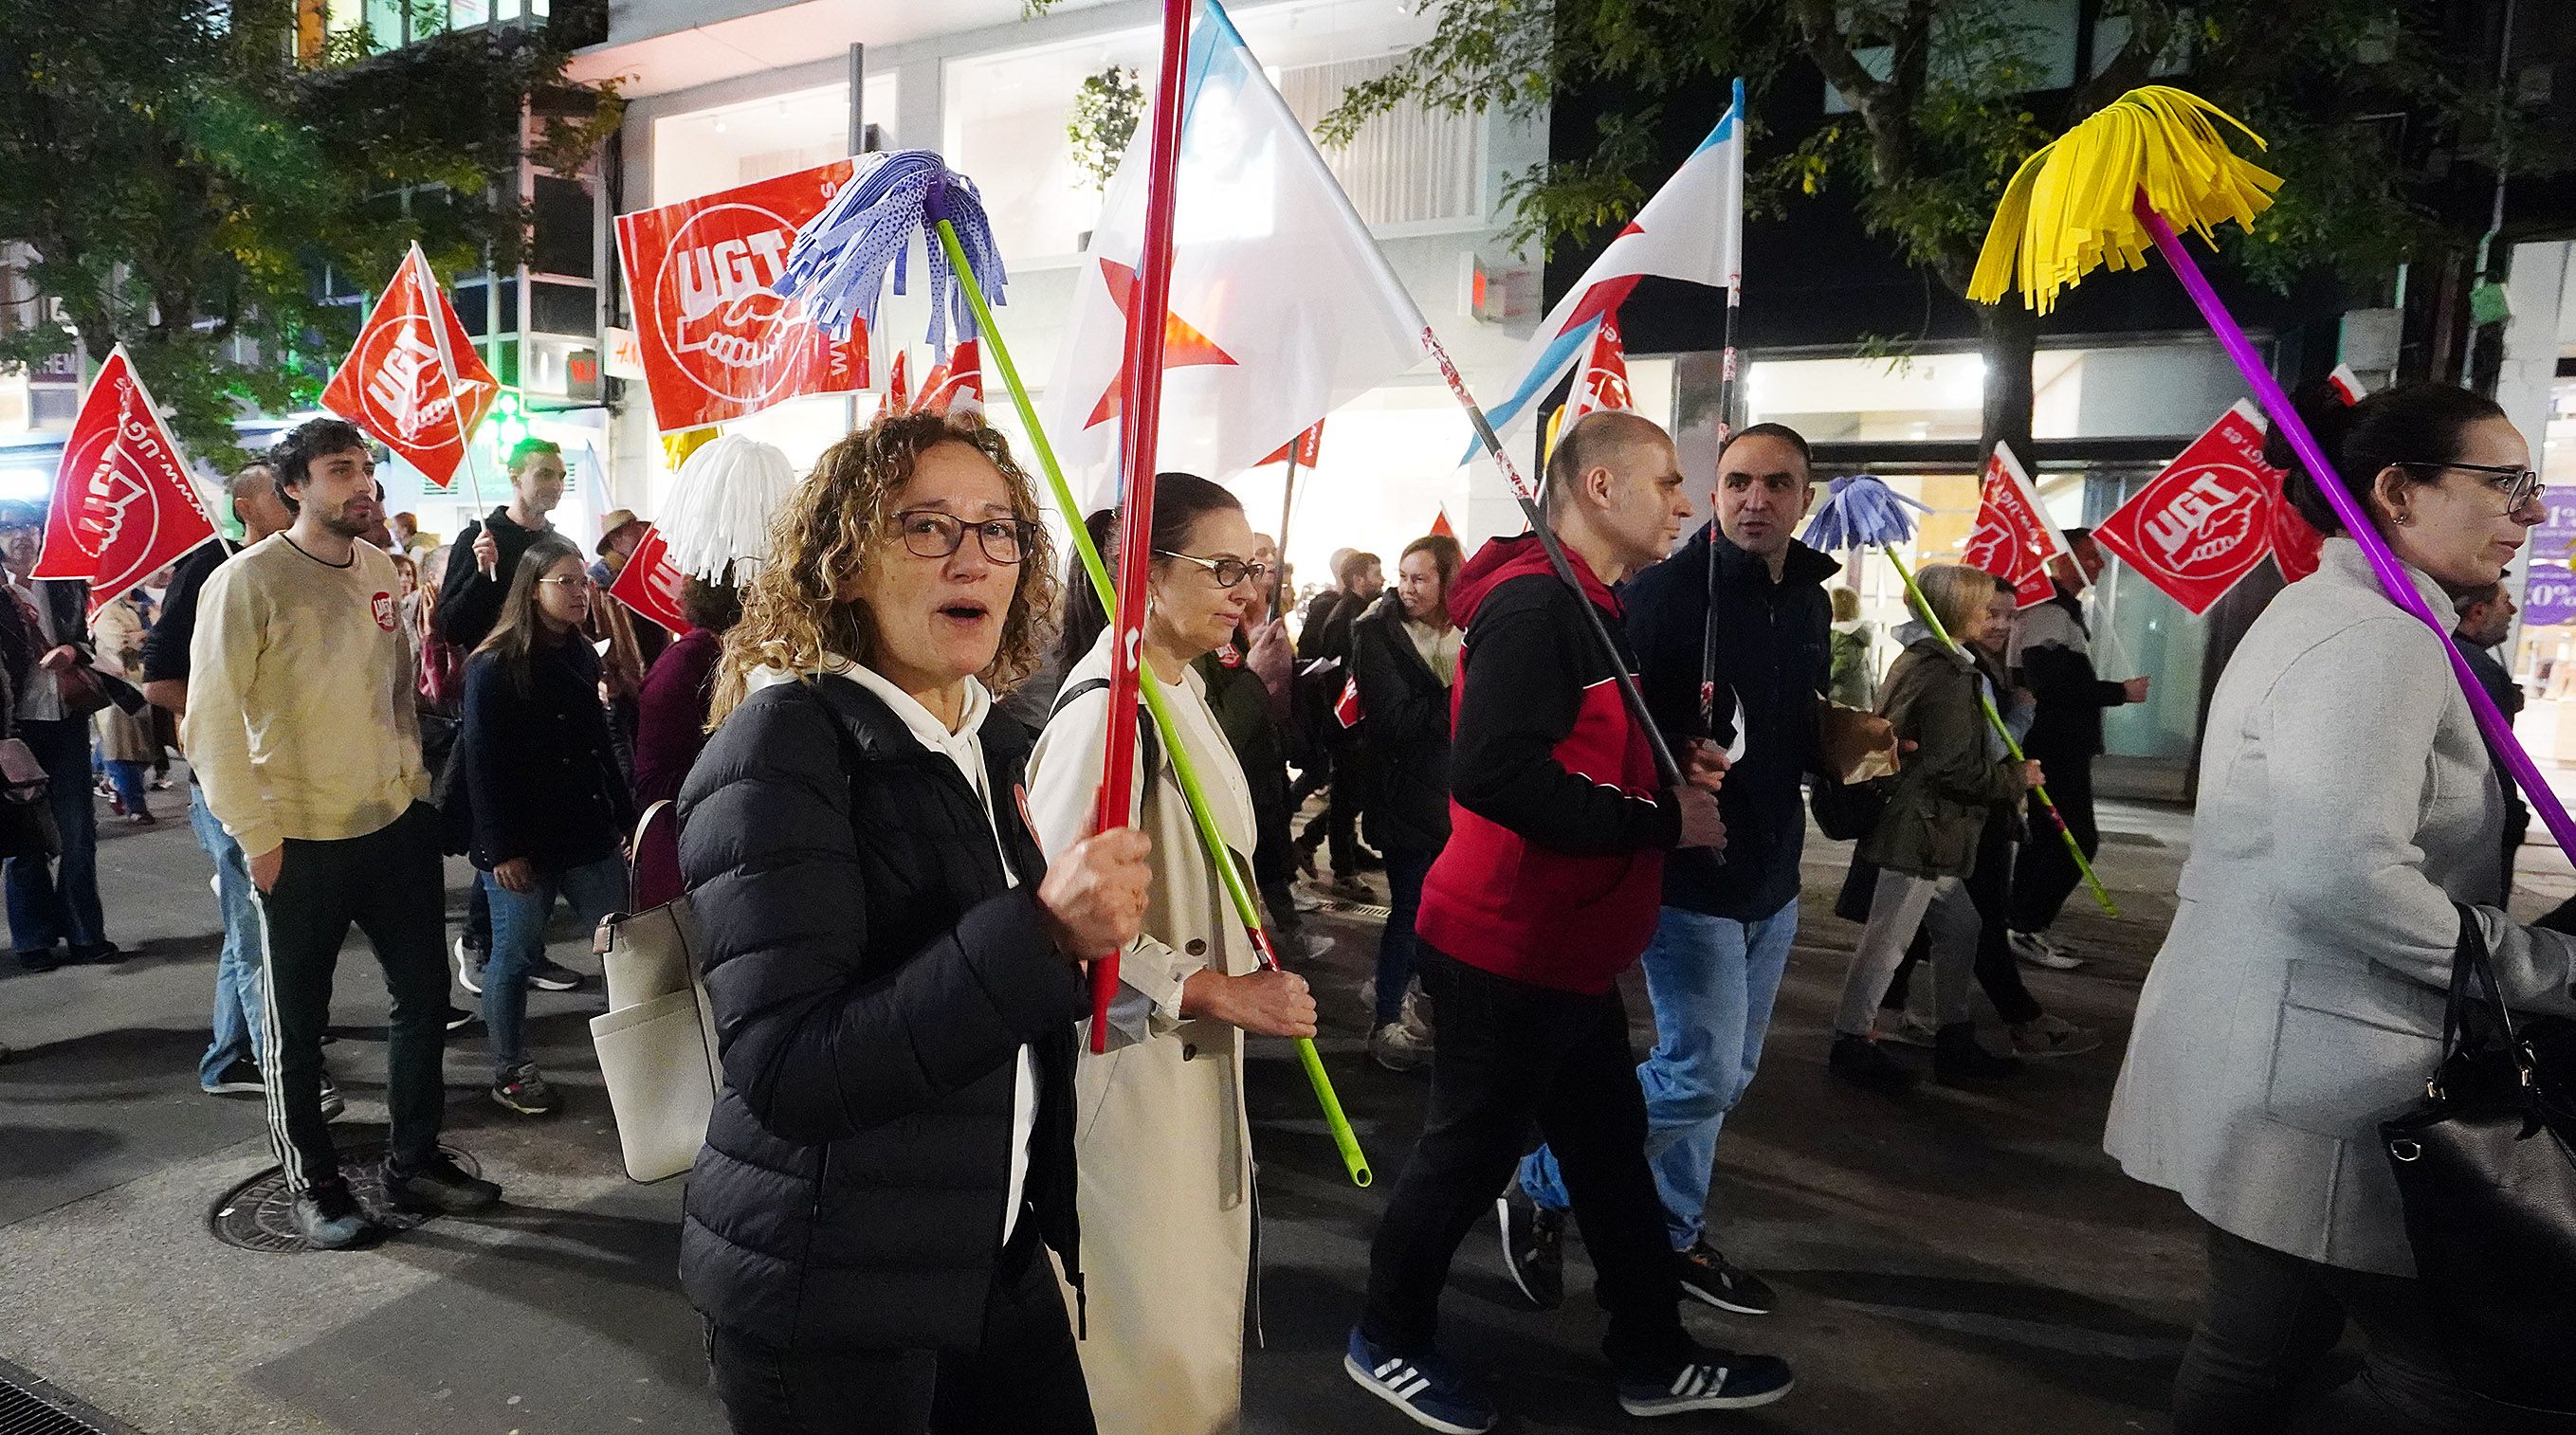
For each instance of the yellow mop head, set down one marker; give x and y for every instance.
(2068, 208)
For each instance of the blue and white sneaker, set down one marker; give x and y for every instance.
(1424, 1387)
(1718, 1380)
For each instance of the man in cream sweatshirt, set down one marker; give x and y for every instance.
(302, 727)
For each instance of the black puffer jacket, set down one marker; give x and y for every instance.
(541, 775)
(873, 975)
(1406, 711)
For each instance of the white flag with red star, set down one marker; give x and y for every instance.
(1282, 308)
(955, 385)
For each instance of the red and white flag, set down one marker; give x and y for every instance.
(2197, 528)
(650, 583)
(2297, 546)
(955, 384)
(1440, 524)
(2013, 538)
(1346, 708)
(1303, 450)
(414, 380)
(1281, 307)
(123, 507)
(1603, 384)
(717, 344)
(898, 398)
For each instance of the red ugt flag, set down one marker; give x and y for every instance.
(394, 384)
(2013, 538)
(650, 583)
(716, 343)
(1603, 383)
(1346, 708)
(123, 506)
(955, 385)
(1303, 450)
(2202, 524)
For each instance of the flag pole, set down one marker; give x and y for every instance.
(1212, 842)
(1287, 507)
(436, 300)
(1141, 429)
(1665, 766)
(1726, 394)
(1725, 430)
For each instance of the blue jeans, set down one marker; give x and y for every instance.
(127, 778)
(57, 901)
(236, 1023)
(519, 943)
(1712, 981)
(1406, 868)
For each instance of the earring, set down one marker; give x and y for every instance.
(2404, 518)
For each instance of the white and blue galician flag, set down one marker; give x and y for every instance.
(1692, 229)
(1282, 307)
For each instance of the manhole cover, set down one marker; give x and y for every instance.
(258, 1214)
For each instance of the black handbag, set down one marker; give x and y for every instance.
(2485, 1170)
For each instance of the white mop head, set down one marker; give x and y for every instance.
(716, 523)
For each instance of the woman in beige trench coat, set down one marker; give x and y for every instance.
(1161, 1139)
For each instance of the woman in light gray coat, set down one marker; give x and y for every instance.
(2346, 805)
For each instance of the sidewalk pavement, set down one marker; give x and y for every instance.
(1948, 1261)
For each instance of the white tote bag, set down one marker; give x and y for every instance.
(657, 1044)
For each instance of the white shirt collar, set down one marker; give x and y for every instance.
(918, 720)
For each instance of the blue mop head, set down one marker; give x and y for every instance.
(838, 264)
(1861, 511)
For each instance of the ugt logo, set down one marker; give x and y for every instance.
(727, 330)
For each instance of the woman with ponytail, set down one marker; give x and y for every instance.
(1164, 1148)
(2348, 815)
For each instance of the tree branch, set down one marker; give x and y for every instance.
(1826, 45)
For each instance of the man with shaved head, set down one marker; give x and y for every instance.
(1545, 893)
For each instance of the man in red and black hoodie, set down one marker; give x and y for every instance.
(1546, 892)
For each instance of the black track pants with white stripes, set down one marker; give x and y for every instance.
(391, 885)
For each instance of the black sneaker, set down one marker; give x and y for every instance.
(1533, 1248)
(1708, 1276)
(103, 953)
(240, 1077)
(548, 976)
(439, 1186)
(328, 1218)
(458, 1018)
(525, 1091)
(39, 961)
(469, 968)
(1711, 1380)
(1861, 1061)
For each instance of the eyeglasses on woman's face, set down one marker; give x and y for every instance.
(1229, 572)
(569, 583)
(2518, 485)
(929, 533)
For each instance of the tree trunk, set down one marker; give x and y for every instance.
(2008, 340)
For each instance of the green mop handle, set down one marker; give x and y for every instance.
(1995, 720)
(1218, 854)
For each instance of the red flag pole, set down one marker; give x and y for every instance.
(1141, 427)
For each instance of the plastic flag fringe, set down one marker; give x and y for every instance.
(716, 522)
(1861, 511)
(2070, 207)
(837, 267)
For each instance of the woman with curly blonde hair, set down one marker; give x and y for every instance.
(895, 968)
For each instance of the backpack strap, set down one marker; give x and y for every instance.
(1146, 736)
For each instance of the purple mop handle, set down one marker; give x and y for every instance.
(2356, 524)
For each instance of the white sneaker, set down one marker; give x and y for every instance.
(1397, 1049)
(1311, 945)
(1909, 1030)
(2035, 949)
(1413, 1019)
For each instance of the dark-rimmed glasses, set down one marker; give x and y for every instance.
(929, 533)
(1230, 572)
(2518, 485)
